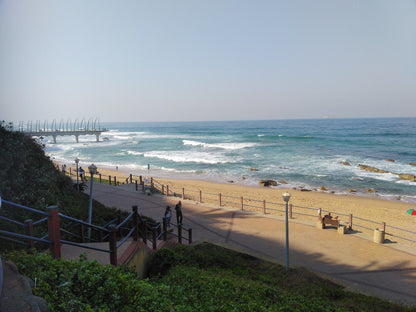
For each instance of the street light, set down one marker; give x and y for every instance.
(93, 170)
(77, 162)
(286, 197)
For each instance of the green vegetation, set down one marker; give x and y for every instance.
(28, 177)
(204, 277)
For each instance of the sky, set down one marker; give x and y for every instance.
(183, 60)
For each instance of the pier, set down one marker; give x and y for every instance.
(74, 128)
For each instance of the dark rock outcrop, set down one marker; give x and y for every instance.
(268, 182)
(372, 169)
(17, 292)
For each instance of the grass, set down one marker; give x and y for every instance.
(204, 277)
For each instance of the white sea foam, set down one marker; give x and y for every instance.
(188, 156)
(228, 146)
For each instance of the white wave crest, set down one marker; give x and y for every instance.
(228, 146)
(187, 156)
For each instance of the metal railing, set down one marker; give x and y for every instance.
(114, 230)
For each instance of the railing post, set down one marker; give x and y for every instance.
(167, 190)
(163, 190)
(183, 193)
(144, 231)
(113, 244)
(219, 195)
(143, 187)
(350, 226)
(383, 226)
(135, 223)
(200, 196)
(165, 229)
(99, 176)
(180, 234)
(190, 236)
(82, 233)
(109, 180)
(131, 178)
(118, 222)
(290, 211)
(115, 181)
(242, 203)
(29, 231)
(136, 186)
(154, 239)
(141, 179)
(54, 231)
(264, 206)
(151, 184)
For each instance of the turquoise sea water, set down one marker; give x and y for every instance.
(303, 153)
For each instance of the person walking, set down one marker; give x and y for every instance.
(178, 209)
(168, 215)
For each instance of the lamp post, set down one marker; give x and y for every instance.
(77, 162)
(286, 197)
(93, 170)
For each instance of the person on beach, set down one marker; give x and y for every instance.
(178, 209)
(148, 167)
(168, 215)
(64, 168)
(81, 173)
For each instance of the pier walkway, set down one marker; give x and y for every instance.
(387, 271)
(73, 128)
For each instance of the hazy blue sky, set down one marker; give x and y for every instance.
(126, 60)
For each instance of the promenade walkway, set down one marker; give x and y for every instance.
(387, 271)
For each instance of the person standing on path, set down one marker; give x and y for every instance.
(178, 209)
(168, 215)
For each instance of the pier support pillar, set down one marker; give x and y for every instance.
(76, 138)
(97, 137)
(54, 139)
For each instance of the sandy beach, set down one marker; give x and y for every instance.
(393, 213)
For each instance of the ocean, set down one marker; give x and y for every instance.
(307, 154)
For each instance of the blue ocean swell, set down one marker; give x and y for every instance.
(301, 152)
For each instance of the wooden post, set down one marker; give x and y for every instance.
(165, 229)
(151, 184)
(113, 244)
(118, 222)
(180, 234)
(141, 179)
(264, 206)
(242, 203)
(99, 176)
(350, 226)
(136, 186)
(383, 226)
(82, 233)
(154, 239)
(131, 178)
(70, 173)
(163, 189)
(183, 193)
(109, 180)
(200, 196)
(29, 231)
(54, 231)
(135, 223)
(190, 236)
(115, 181)
(144, 231)
(290, 211)
(167, 190)
(143, 187)
(220, 199)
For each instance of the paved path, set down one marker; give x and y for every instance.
(387, 271)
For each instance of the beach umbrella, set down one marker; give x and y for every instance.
(411, 212)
